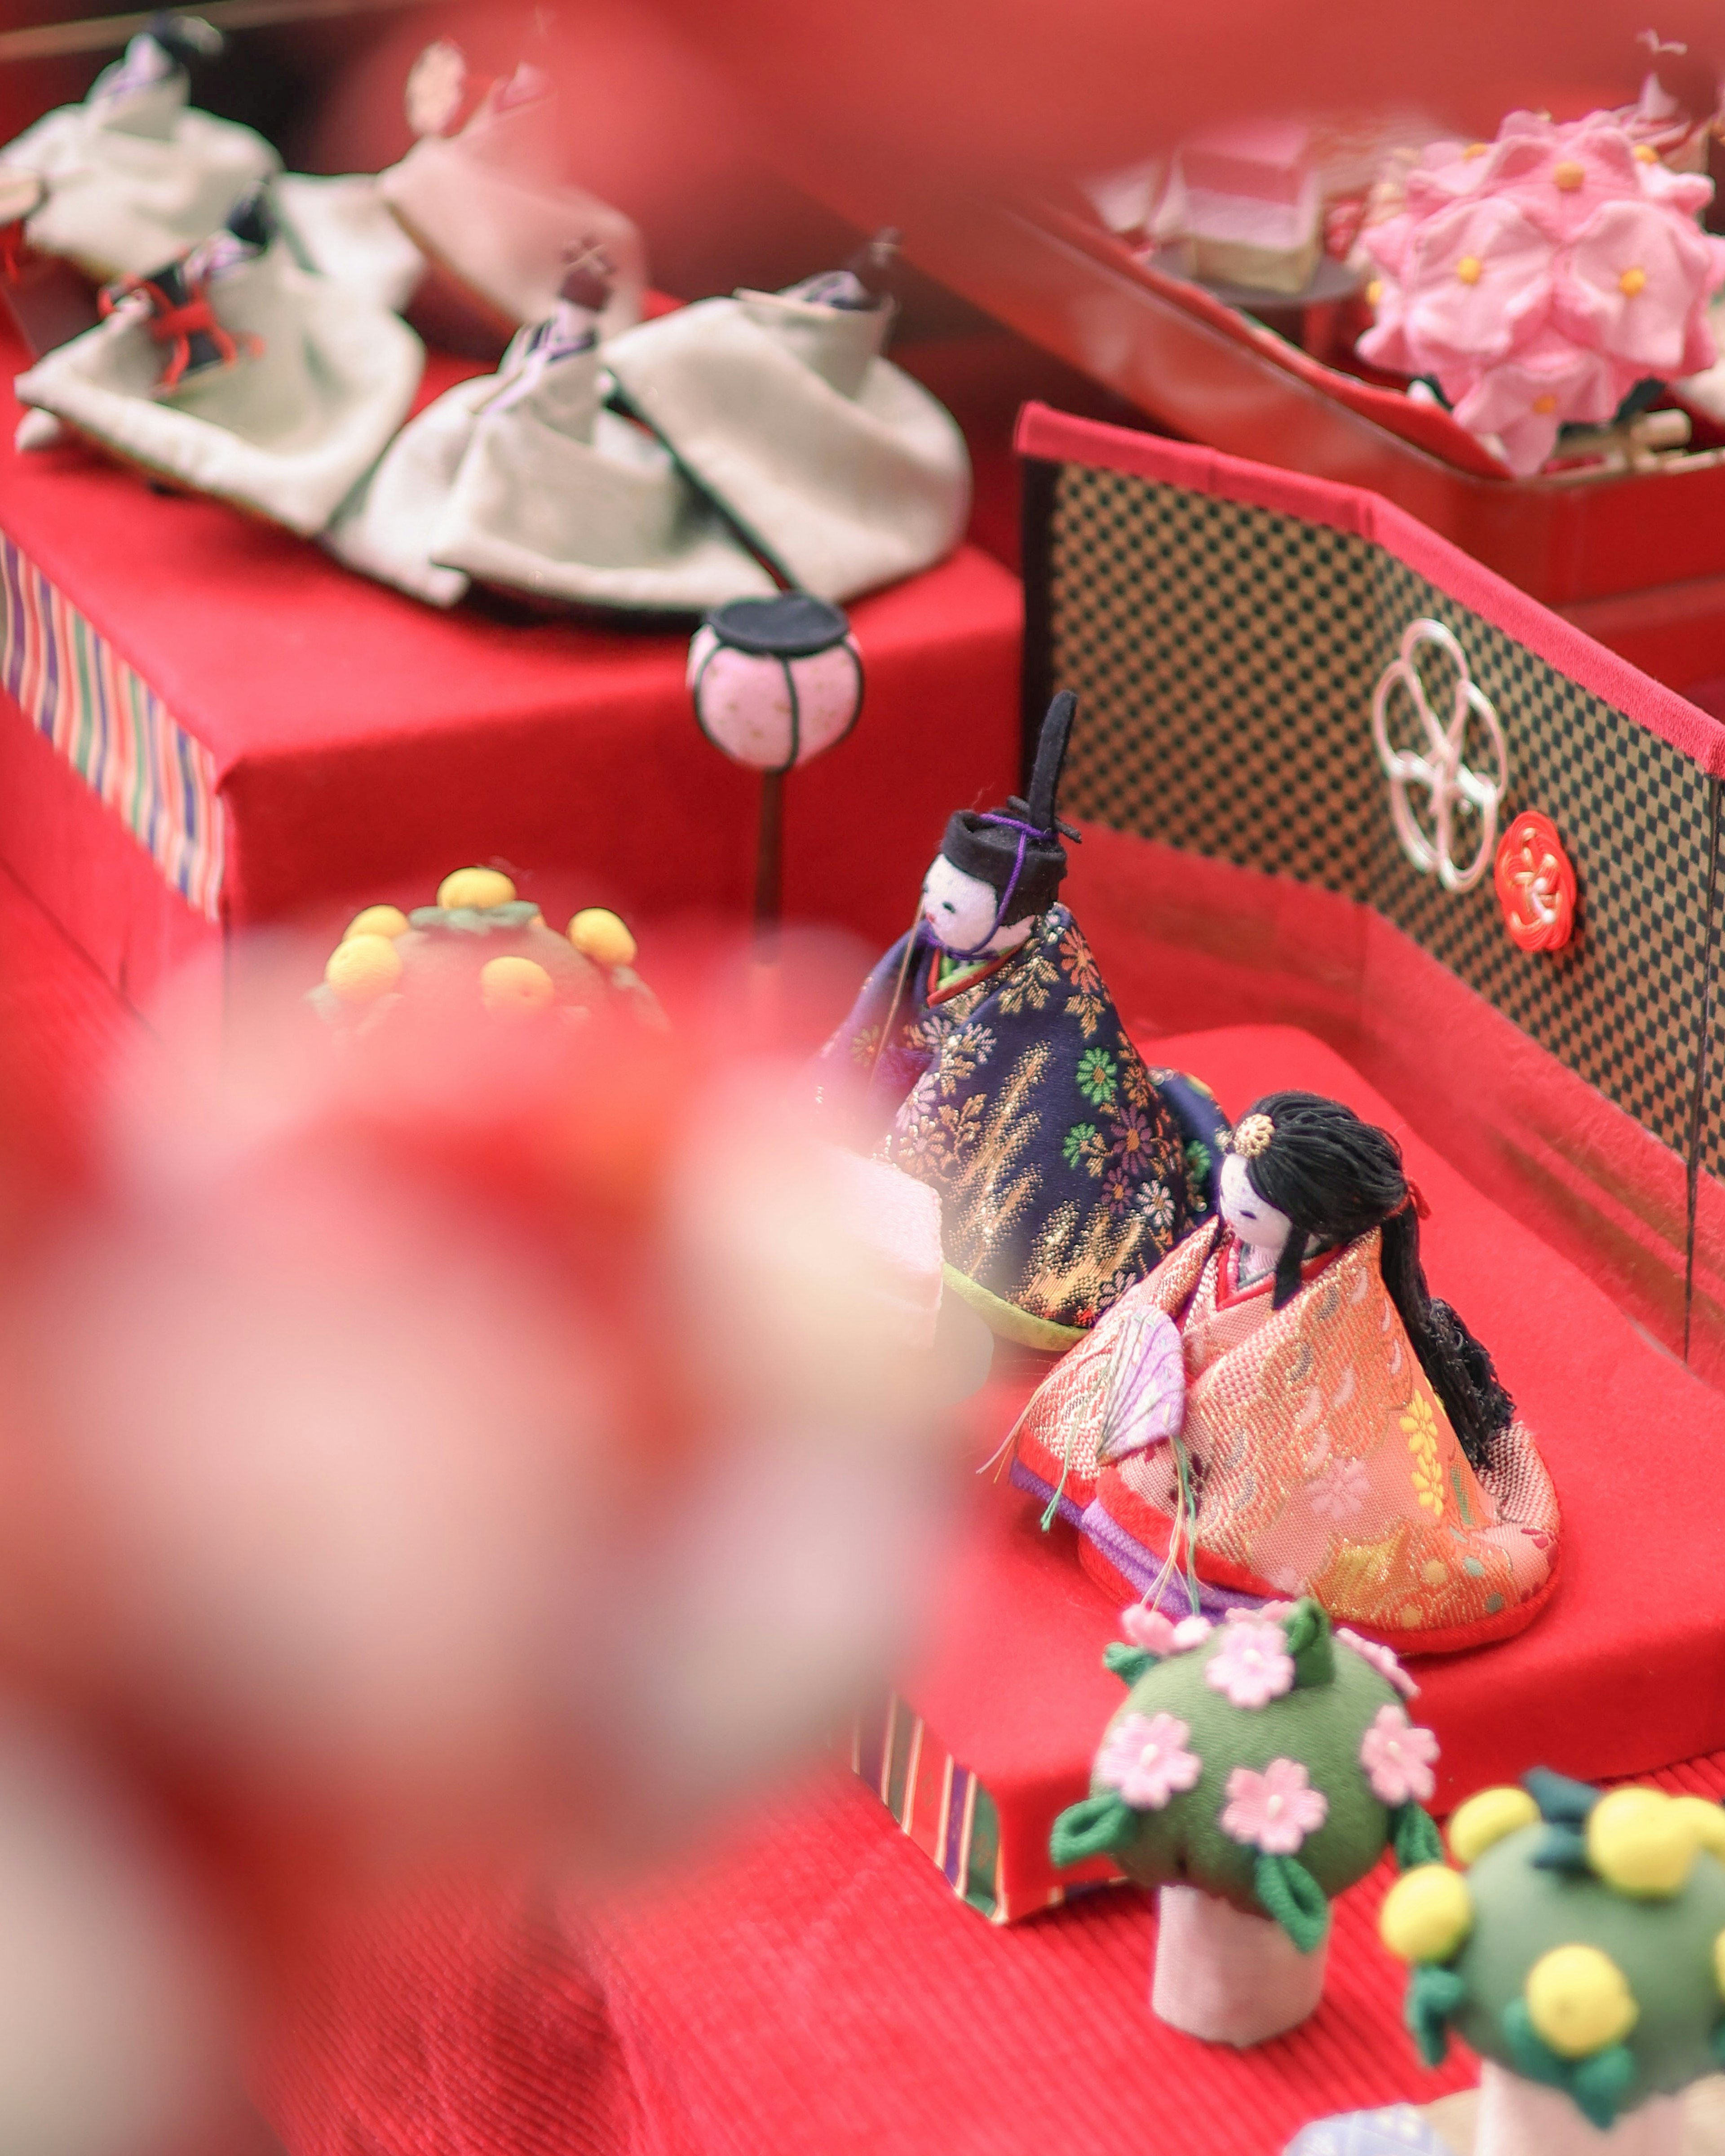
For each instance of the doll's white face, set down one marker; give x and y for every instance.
(1252, 1218)
(959, 909)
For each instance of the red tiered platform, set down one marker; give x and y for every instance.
(343, 744)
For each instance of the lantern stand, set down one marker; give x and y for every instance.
(769, 855)
(775, 682)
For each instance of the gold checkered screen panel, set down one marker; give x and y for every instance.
(1226, 657)
(1711, 1148)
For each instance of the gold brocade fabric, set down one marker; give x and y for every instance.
(1323, 1462)
(1010, 1086)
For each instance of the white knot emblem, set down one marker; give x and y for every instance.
(1440, 767)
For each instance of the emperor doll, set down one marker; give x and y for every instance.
(985, 1057)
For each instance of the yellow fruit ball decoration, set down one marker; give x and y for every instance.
(598, 934)
(1487, 1818)
(1579, 2001)
(475, 887)
(377, 920)
(1426, 1914)
(1642, 1843)
(363, 968)
(515, 987)
(1706, 1821)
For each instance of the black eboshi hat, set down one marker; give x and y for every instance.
(1017, 850)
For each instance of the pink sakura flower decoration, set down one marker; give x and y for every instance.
(1252, 1665)
(1446, 172)
(1539, 278)
(1478, 281)
(1624, 290)
(1398, 1758)
(1144, 1757)
(1382, 1659)
(1338, 1490)
(1276, 1810)
(1149, 1628)
(1525, 401)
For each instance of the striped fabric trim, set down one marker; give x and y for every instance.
(952, 1820)
(110, 726)
(944, 1809)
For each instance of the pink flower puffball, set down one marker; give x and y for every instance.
(1539, 278)
(1276, 1810)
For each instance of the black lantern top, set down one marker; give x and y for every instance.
(796, 625)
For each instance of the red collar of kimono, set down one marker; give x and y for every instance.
(1229, 1291)
(937, 994)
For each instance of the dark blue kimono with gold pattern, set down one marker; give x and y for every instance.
(1067, 1169)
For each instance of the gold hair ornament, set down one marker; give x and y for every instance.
(1251, 1136)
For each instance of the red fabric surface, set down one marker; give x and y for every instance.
(62, 1028)
(913, 102)
(1055, 436)
(1625, 1671)
(87, 871)
(366, 744)
(815, 1989)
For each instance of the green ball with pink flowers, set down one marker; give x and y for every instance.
(1267, 1761)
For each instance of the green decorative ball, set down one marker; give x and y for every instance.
(1171, 1830)
(1664, 1949)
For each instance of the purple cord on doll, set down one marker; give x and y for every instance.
(1026, 832)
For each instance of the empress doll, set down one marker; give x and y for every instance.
(985, 1057)
(1283, 1407)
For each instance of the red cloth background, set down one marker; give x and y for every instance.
(77, 857)
(911, 102)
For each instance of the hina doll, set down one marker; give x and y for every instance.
(136, 174)
(1283, 1407)
(841, 472)
(523, 482)
(232, 372)
(483, 196)
(985, 1056)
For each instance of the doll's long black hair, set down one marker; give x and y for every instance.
(1337, 1176)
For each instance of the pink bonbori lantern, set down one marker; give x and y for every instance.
(775, 682)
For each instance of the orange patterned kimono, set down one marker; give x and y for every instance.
(1321, 1461)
